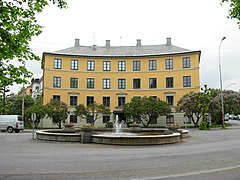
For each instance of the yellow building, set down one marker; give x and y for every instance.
(112, 75)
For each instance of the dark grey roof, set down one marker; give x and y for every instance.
(122, 51)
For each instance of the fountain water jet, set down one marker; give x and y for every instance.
(118, 125)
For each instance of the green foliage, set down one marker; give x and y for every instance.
(203, 125)
(129, 123)
(13, 104)
(234, 11)
(18, 25)
(92, 110)
(95, 110)
(195, 104)
(109, 125)
(38, 109)
(231, 101)
(133, 109)
(145, 109)
(57, 111)
(80, 110)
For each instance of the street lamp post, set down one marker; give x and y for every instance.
(220, 75)
(229, 86)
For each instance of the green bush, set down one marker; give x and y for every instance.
(129, 122)
(203, 126)
(109, 125)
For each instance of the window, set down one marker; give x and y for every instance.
(90, 100)
(73, 119)
(106, 119)
(121, 101)
(73, 82)
(152, 82)
(121, 83)
(186, 81)
(73, 100)
(57, 82)
(170, 100)
(169, 63)
(90, 65)
(74, 64)
(152, 65)
(57, 63)
(186, 62)
(56, 97)
(121, 65)
(169, 119)
(106, 83)
(106, 65)
(169, 82)
(90, 83)
(136, 66)
(106, 101)
(136, 83)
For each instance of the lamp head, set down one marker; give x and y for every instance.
(223, 38)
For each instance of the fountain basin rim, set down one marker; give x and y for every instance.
(48, 132)
(135, 137)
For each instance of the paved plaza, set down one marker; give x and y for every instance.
(213, 154)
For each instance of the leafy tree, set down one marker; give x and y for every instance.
(195, 105)
(146, 109)
(57, 111)
(133, 110)
(18, 25)
(80, 111)
(3, 95)
(14, 104)
(38, 109)
(94, 110)
(234, 11)
(231, 103)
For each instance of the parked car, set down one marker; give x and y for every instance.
(226, 117)
(238, 117)
(11, 123)
(235, 117)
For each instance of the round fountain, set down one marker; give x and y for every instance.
(136, 136)
(120, 136)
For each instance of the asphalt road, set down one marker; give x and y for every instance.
(213, 154)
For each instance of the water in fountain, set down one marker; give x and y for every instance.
(118, 125)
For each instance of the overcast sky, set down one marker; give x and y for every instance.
(192, 24)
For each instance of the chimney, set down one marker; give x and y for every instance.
(169, 41)
(107, 43)
(77, 42)
(139, 42)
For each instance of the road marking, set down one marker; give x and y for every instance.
(189, 174)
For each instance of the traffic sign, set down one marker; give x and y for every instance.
(33, 117)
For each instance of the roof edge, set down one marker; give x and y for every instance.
(112, 56)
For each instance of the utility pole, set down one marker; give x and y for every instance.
(23, 93)
(221, 84)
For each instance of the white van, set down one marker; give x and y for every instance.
(11, 123)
